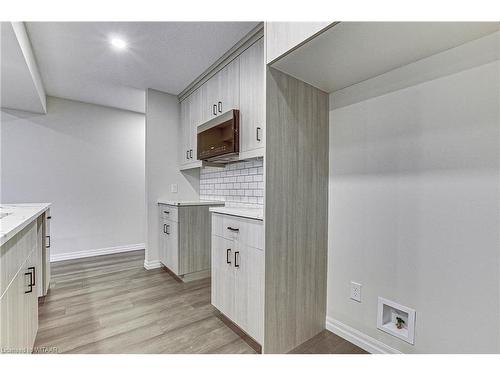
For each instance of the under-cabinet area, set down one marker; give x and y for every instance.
(250, 187)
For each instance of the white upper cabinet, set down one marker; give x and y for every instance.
(209, 92)
(195, 110)
(238, 85)
(184, 131)
(252, 76)
(221, 92)
(229, 87)
(190, 119)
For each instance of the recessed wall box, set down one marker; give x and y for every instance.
(396, 320)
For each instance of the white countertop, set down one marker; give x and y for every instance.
(250, 213)
(191, 203)
(15, 217)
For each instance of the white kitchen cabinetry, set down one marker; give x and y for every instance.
(185, 239)
(238, 272)
(190, 119)
(221, 92)
(238, 85)
(22, 279)
(252, 117)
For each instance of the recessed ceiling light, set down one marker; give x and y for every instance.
(118, 43)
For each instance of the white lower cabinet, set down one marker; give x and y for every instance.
(19, 294)
(169, 254)
(238, 273)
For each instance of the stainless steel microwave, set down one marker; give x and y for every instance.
(218, 140)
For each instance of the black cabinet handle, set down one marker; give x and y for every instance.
(214, 109)
(219, 107)
(166, 212)
(31, 282)
(34, 275)
(48, 241)
(228, 252)
(236, 253)
(258, 134)
(49, 217)
(166, 229)
(187, 154)
(191, 153)
(233, 229)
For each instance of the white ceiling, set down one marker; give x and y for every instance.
(77, 62)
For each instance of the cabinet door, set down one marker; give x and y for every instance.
(252, 119)
(228, 95)
(31, 299)
(184, 133)
(223, 275)
(209, 99)
(172, 248)
(196, 119)
(46, 219)
(249, 290)
(163, 242)
(19, 312)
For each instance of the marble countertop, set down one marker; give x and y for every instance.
(191, 203)
(250, 213)
(15, 217)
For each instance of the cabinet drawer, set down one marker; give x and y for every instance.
(249, 232)
(169, 212)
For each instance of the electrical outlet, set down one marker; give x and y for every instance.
(355, 291)
(173, 188)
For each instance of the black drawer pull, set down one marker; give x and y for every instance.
(48, 241)
(215, 110)
(166, 230)
(236, 264)
(49, 217)
(258, 134)
(34, 275)
(191, 153)
(166, 212)
(31, 282)
(228, 253)
(219, 107)
(233, 229)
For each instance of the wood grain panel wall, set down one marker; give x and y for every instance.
(194, 238)
(281, 37)
(296, 211)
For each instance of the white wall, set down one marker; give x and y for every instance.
(87, 160)
(162, 168)
(414, 211)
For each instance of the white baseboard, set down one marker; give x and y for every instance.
(358, 338)
(152, 264)
(95, 252)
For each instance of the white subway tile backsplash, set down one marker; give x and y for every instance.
(238, 184)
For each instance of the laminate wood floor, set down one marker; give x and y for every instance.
(111, 304)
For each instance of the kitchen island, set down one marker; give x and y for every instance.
(24, 272)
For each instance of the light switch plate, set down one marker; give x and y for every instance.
(355, 291)
(173, 188)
